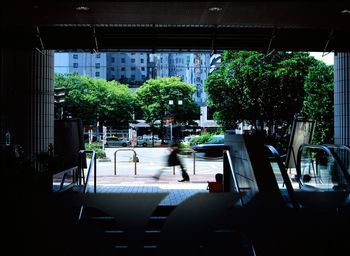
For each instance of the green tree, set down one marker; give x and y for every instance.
(91, 98)
(154, 95)
(319, 101)
(250, 86)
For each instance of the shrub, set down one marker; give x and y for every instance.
(100, 153)
(201, 139)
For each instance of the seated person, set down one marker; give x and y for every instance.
(217, 185)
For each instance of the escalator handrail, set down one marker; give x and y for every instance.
(233, 174)
(329, 152)
(346, 147)
(285, 176)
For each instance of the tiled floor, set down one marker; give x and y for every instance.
(177, 193)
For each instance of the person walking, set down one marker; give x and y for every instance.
(174, 160)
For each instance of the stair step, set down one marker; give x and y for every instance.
(100, 218)
(163, 210)
(152, 231)
(121, 246)
(114, 231)
(150, 246)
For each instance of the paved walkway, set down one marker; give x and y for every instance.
(178, 191)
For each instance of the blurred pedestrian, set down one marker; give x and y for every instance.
(174, 160)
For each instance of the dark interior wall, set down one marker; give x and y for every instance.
(27, 99)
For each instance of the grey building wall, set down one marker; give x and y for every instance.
(83, 63)
(127, 67)
(342, 98)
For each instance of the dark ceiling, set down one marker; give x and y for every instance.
(183, 25)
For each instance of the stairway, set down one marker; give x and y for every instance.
(109, 237)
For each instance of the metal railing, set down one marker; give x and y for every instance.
(65, 173)
(92, 163)
(135, 160)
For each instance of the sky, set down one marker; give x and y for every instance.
(328, 58)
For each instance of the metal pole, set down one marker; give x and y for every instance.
(173, 170)
(95, 174)
(115, 163)
(194, 163)
(171, 132)
(135, 161)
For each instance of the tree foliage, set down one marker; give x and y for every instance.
(93, 99)
(251, 86)
(154, 95)
(319, 101)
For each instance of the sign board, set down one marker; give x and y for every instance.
(302, 131)
(133, 138)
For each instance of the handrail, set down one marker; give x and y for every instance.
(338, 146)
(329, 152)
(65, 173)
(233, 173)
(347, 148)
(92, 161)
(285, 176)
(115, 159)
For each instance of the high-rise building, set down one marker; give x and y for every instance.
(126, 67)
(82, 63)
(192, 68)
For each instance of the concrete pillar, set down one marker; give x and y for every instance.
(27, 99)
(342, 98)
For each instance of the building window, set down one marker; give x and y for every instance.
(122, 68)
(132, 60)
(133, 68)
(122, 60)
(142, 68)
(132, 53)
(143, 77)
(97, 65)
(75, 56)
(142, 60)
(98, 55)
(132, 77)
(112, 68)
(112, 59)
(75, 65)
(122, 76)
(97, 74)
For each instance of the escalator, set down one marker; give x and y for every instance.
(309, 212)
(320, 179)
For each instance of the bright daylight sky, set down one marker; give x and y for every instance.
(328, 58)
